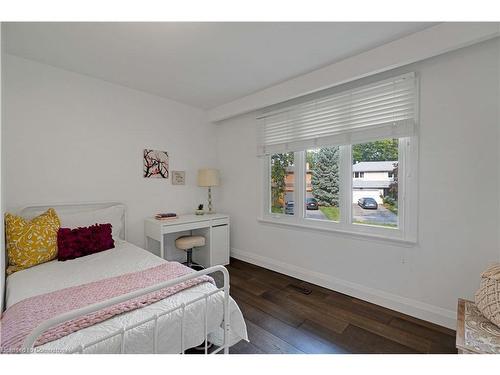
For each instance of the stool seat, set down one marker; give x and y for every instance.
(188, 242)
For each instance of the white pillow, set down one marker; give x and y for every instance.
(112, 215)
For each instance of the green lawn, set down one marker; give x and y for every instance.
(331, 212)
(277, 210)
(391, 207)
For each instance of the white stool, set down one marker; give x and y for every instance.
(187, 243)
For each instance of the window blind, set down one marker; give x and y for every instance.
(383, 109)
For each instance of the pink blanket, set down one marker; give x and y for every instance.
(21, 318)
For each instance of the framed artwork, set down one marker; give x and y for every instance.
(155, 164)
(178, 178)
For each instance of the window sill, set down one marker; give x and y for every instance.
(344, 232)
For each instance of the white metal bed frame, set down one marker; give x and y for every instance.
(29, 343)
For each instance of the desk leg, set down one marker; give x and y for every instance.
(162, 248)
(147, 241)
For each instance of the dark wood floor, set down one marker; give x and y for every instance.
(287, 315)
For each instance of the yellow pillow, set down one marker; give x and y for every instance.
(31, 242)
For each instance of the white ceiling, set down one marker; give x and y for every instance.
(201, 64)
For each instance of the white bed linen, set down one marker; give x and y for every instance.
(125, 258)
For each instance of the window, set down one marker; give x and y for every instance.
(282, 183)
(375, 198)
(344, 161)
(330, 193)
(322, 199)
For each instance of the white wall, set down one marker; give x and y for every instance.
(72, 138)
(458, 203)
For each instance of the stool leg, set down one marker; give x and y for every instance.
(190, 257)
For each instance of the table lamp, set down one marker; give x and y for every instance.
(208, 177)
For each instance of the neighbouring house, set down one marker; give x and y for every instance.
(290, 183)
(369, 179)
(372, 179)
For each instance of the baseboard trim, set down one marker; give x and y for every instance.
(417, 309)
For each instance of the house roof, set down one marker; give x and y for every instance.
(374, 166)
(368, 184)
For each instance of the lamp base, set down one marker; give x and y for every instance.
(210, 210)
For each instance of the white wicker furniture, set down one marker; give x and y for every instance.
(475, 333)
(488, 295)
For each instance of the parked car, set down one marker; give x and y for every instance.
(289, 208)
(368, 203)
(311, 204)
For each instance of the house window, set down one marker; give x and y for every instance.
(336, 163)
(282, 183)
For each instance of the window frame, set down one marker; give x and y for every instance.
(406, 232)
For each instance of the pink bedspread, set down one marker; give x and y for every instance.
(21, 318)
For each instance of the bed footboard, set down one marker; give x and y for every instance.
(28, 345)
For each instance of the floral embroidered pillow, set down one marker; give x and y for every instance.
(31, 242)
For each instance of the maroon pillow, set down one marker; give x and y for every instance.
(78, 242)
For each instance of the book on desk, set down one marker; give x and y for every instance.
(166, 216)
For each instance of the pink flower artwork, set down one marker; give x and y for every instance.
(155, 164)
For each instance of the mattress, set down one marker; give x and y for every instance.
(126, 258)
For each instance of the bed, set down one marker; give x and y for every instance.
(202, 313)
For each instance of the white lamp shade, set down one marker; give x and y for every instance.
(208, 177)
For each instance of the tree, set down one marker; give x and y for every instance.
(325, 176)
(393, 187)
(310, 159)
(386, 149)
(279, 164)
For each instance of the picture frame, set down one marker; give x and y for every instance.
(178, 178)
(155, 164)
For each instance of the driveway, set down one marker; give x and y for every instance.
(315, 214)
(379, 216)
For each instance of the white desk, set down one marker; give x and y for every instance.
(214, 227)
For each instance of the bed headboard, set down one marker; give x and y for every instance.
(29, 212)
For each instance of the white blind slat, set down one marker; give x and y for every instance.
(381, 109)
(340, 113)
(325, 121)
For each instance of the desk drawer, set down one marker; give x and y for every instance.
(172, 228)
(216, 222)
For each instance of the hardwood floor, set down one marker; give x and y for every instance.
(287, 315)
